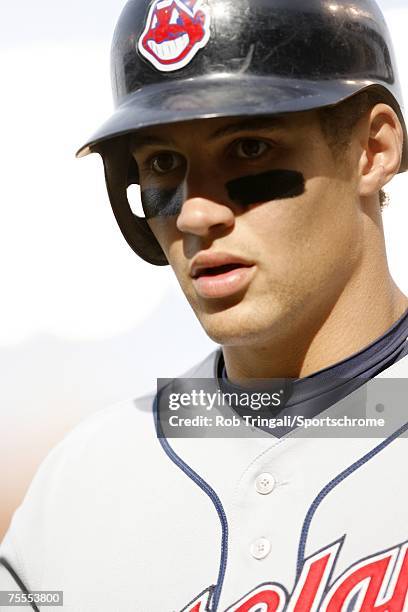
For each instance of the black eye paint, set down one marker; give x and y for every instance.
(162, 202)
(246, 190)
(260, 188)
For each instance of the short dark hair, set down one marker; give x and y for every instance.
(337, 123)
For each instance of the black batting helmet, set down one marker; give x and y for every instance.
(178, 60)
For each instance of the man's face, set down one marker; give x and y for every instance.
(260, 223)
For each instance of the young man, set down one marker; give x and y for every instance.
(262, 135)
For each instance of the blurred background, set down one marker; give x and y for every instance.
(84, 322)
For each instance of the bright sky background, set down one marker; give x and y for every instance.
(25, 22)
(69, 281)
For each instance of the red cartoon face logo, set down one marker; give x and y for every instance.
(175, 30)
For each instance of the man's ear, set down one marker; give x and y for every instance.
(381, 140)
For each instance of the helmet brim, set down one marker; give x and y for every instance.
(220, 96)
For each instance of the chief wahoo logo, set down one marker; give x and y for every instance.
(175, 31)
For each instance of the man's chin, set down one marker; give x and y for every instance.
(229, 329)
(244, 319)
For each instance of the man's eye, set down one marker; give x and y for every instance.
(250, 149)
(166, 162)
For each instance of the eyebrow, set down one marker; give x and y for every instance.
(137, 142)
(257, 123)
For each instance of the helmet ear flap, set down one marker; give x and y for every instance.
(133, 172)
(120, 172)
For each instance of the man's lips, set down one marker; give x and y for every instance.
(214, 264)
(220, 275)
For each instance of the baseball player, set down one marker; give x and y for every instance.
(262, 134)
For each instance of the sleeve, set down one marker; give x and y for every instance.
(24, 547)
(45, 532)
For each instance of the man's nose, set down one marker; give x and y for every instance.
(200, 215)
(204, 207)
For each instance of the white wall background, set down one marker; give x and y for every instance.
(84, 322)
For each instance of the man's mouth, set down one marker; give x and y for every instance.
(218, 275)
(223, 281)
(219, 270)
(170, 50)
(213, 264)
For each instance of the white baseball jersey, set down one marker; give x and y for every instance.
(122, 521)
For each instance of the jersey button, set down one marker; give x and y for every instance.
(265, 483)
(261, 548)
